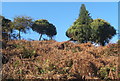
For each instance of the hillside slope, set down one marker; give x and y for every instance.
(59, 60)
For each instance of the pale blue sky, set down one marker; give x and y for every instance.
(61, 14)
(60, 0)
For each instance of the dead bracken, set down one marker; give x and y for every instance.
(59, 60)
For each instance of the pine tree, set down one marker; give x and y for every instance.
(22, 24)
(80, 30)
(43, 27)
(102, 31)
(7, 28)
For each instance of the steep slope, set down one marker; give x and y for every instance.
(59, 60)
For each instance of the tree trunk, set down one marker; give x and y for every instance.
(51, 38)
(19, 35)
(8, 36)
(102, 44)
(40, 37)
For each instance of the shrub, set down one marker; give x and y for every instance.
(28, 53)
(16, 63)
(104, 72)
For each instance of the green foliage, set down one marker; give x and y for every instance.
(86, 29)
(27, 53)
(7, 28)
(42, 26)
(102, 31)
(80, 30)
(16, 63)
(104, 72)
(17, 46)
(84, 16)
(118, 42)
(48, 67)
(22, 24)
(51, 31)
(20, 71)
(6, 24)
(40, 70)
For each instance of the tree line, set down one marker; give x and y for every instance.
(23, 24)
(83, 30)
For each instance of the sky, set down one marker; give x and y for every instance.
(60, 0)
(61, 14)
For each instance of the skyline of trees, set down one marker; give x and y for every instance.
(83, 29)
(24, 24)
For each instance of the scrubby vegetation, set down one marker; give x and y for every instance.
(59, 60)
(49, 59)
